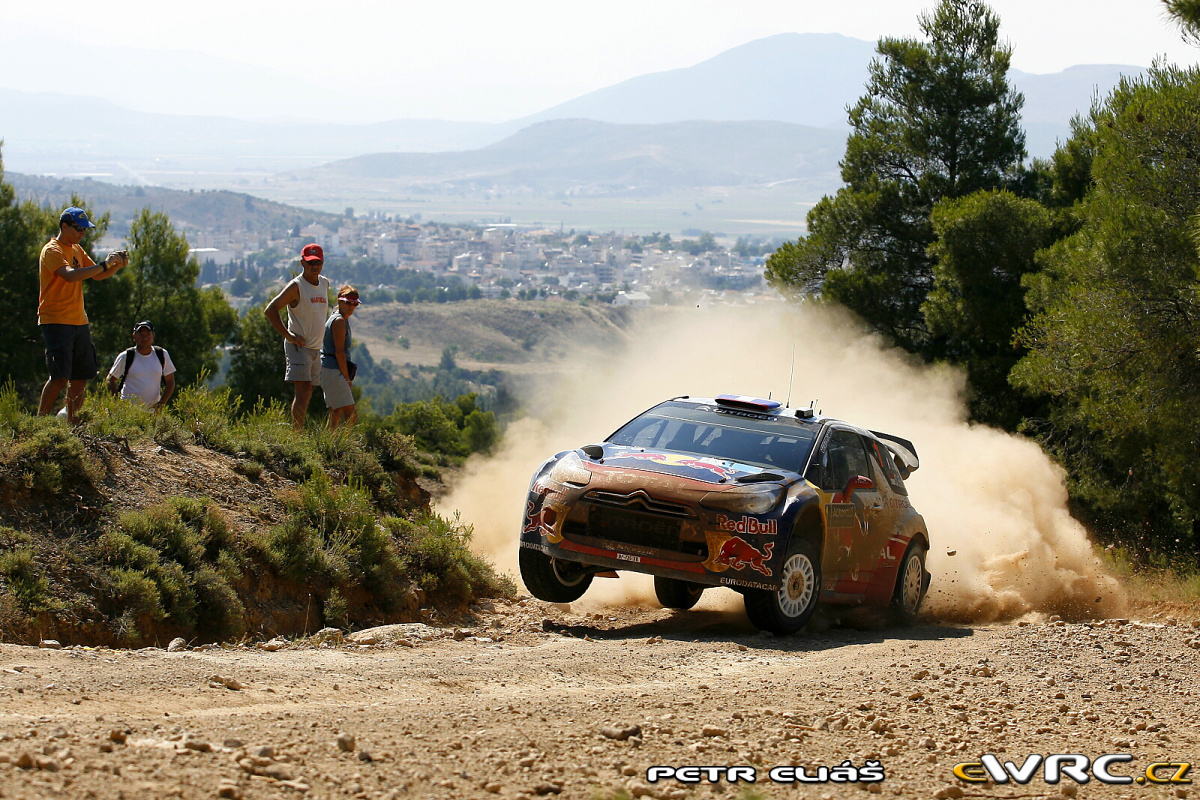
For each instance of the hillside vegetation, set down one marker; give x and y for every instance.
(136, 528)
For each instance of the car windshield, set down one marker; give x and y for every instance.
(714, 432)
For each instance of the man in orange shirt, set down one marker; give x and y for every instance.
(63, 267)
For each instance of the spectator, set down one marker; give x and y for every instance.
(70, 354)
(307, 299)
(337, 371)
(139, 372)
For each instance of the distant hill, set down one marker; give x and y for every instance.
(802, 78)
(187, 209)
(605, 158)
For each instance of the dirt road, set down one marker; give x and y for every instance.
(535, 699)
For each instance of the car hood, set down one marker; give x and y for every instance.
(683, 465)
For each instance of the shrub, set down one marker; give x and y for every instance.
(25, 580)
(174, 562)
(438, 559)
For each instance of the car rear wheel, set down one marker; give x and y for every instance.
(910, 584)
(789, 608)
(552, 579)
(677, 594)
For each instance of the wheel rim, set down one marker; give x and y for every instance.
(913, 578)
(799, 585)
(565, 575)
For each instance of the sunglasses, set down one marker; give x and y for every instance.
(353, 301)
(78, 228)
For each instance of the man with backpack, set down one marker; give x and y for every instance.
(139, 372)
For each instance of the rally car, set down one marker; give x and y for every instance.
(786, 506)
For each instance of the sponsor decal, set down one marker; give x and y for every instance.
(748, 525)
(541, 548)
(737, 553)
(628, 557)
(543, 518)
(747, 584)
(1079, 768)
(846, 772)
(673, 460)
(841, 515)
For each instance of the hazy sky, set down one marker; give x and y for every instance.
(493, 60)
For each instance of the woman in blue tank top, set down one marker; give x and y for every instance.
(336, 375)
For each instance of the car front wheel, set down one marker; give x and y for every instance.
(552, 579)
(910, 584)
(787, 609)
(677, 594)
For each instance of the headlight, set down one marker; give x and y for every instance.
(570, 469)
(744, 499)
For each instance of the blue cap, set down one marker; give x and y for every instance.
(76, 216)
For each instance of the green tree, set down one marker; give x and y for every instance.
(24, 228)
(985, 245)
(160, 285)
(1187, 14)
(938, 120)
(1115, 335)
(256, 361)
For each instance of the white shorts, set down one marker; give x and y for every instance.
(336, 389)
(303, 364)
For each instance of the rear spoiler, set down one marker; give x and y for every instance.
(904, 451)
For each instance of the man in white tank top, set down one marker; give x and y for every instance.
(307, 299)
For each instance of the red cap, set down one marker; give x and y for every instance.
(312, 252)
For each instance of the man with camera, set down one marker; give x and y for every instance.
(63, 267)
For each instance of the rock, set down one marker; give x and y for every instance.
(327, 636)
(548, 788)
(46, 763)
(620, 733)
(365, 757)
(50, 644)
(274, 645)
(948, 793)
(492, 788)
(233, 744)
(263, 751)
(929, 744)
(363, 637)
(198, 746)
(279, 772)
(345, 742)
(713, 730)
(23, 760)
(217, 681)
(229, 789)
(118, 735)
(177, 644)
(295, 786)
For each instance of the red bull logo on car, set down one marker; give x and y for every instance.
(737, 553)
(688, 462)
(748, 525)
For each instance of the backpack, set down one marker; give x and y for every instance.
(158, 351)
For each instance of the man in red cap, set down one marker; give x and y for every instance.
(307, 299)
(70, 354)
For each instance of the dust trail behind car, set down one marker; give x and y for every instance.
(1003, 543)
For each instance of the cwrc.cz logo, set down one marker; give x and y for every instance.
(1070, 765)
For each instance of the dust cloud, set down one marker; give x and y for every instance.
(1003, 543)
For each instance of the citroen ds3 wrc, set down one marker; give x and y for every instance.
(788, 507)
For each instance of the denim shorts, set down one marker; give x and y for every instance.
(70, 353)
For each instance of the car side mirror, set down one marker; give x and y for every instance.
(593, 451)
(858, 482)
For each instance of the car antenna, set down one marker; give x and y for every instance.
(791, 373)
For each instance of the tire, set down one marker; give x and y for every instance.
(789, 608)
(552, 579)
(677, 594)
(911, 584)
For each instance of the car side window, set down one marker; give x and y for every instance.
(883, 458)
(842, 459)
